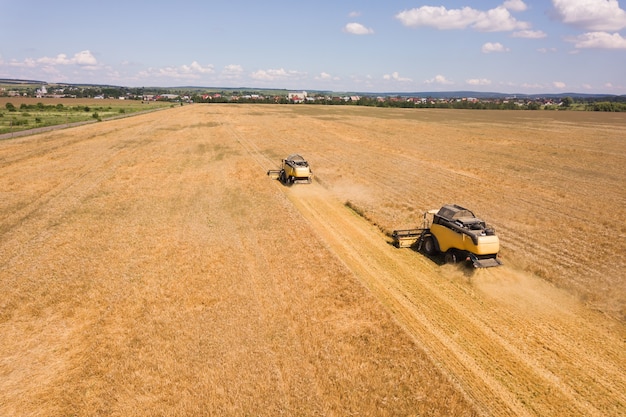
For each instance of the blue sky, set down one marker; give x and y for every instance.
(509, 46)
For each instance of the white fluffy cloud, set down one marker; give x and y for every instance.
(491, 47)
(324, 76)
(438, 17)
(515, 5)
(498, 20)
(276, 74)
(529, 34)
(193, 71)
(478, 81)
(395, 76)
(595, 15)
(599, 40)
(231, 71)
(54, 66)
(494, 20)
(27, 63)
(197, 68)
(83, 58)
(439, 79)
(357, 29)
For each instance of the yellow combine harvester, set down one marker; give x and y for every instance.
(294, 169)
(455, 232)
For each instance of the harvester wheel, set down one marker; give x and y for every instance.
(429, 245)
(450, 257)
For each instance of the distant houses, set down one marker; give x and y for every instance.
(299, 97)
(41, 92)
(166, 97)
(460, 100)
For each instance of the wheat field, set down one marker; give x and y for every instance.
(149, 266)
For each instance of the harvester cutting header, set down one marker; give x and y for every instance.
(294, 169)
(455, 232)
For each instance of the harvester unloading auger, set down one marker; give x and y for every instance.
(294, 169)
(455, 232)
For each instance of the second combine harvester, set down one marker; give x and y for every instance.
(293, 169)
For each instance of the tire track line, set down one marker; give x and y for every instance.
(63, 198)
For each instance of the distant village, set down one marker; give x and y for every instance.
(415, 100)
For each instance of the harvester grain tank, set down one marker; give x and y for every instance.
(455, 232)
(294, 169)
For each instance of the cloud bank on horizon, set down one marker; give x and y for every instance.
(517, 46)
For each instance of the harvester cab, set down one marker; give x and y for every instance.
(294, 169)
(455, 232)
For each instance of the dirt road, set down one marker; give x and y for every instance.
(148, 265)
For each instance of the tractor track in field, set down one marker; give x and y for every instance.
(48, 208)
